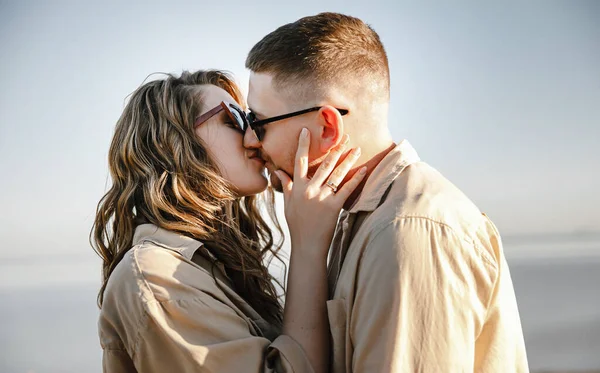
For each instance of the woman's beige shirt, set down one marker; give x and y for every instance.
(164, 311)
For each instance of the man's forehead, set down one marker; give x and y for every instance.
(263, 98)
(261, 80)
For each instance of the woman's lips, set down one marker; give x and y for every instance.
(259, 160)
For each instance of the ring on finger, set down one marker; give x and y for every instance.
(331, 185)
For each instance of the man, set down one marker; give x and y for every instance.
(417, 276)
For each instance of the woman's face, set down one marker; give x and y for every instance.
(223, 139)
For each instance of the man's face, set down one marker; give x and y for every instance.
(280, 142)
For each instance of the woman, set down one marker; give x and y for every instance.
(185, 285)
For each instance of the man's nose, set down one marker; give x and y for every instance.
(250, 140)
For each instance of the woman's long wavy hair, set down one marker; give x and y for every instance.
(162, 174)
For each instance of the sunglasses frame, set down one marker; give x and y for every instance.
(228, 107)
(255, 124)
(249, 119)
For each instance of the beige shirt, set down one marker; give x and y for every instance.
(418, 279)
(164, 312)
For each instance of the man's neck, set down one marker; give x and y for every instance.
(371, 164)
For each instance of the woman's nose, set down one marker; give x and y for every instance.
(250, 141)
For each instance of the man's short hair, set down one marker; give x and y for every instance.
(328, 49)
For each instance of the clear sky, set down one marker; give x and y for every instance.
(504, 99)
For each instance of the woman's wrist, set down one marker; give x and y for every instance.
(309, 251)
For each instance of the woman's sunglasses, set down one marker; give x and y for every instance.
(233, 111)
(243, 120)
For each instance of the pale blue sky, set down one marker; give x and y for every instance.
(504, 99)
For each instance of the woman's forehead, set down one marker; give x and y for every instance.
(213, 95)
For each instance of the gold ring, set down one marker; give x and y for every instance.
(333, 187)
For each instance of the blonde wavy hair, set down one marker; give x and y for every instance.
(162, 174)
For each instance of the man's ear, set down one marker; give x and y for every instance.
(331, 128)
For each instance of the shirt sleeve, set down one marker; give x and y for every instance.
(421, 298)
(202, 334)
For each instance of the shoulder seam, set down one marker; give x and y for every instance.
(485, 256)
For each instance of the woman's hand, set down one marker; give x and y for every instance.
(312, 206)
(311, 210)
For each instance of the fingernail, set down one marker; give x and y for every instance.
(356, 151)
(304, 132)
(345, 139)
(363, 170)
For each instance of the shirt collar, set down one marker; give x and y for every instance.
(183, 245)
(383, 175)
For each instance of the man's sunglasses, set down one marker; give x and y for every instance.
(243, 120)
(258, 125)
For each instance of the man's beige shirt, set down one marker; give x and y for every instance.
(164, 312)
(418, 279)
